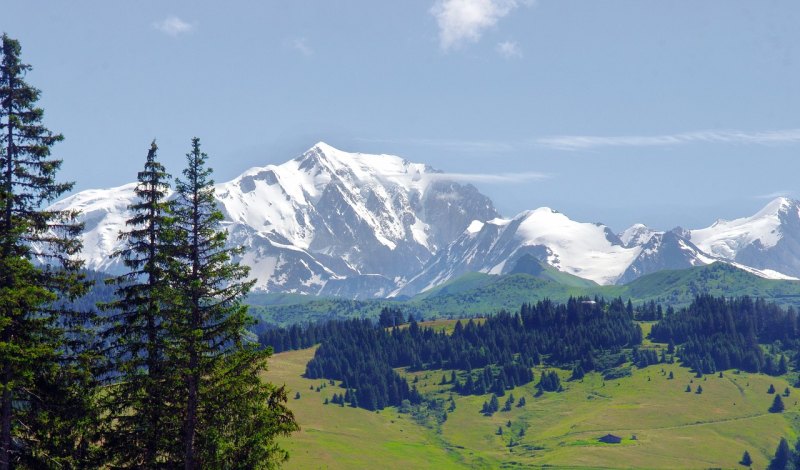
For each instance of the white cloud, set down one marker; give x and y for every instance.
(581, 142)
(490, 178)
(479, 146)
(509, 49)
(173, 26)
(776, 194)
(463, 21)
(301, 45)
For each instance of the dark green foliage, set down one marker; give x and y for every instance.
(719, 334)
(230, 416)
(783, 457)
(644, 357)
(509, 403)
(746, 460)
(617, 373)
(786, 392)
(521, 402)
(390, 317)
(648, 311)
(186, 389)
(671, 375)
(146, 420)
(577, 373)
(496, 355)
(492, 406)
(771, 389)
(699, 389)
(48, 355)
(549, 382)
(777, 405)
(688, 388)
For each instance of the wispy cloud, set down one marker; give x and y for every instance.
(173, 26)
(301, 45)
(490, 178)
(776, 194)
(470, 146)
(509, 49)
(581, 142)
(462, 21)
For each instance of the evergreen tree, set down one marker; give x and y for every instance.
(746, 460)
(219, 365)
(45, 386)
(777, 405)
(143, 422)
(783, 457)
(494, 403)
(771, 389)
(782, 365)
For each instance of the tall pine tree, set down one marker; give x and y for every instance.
(230, 417)
(43, 390)
(142, 412)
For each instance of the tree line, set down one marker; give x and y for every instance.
(167, 376)
(490, 356)
(715, 333)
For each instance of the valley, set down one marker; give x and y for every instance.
(673, 428)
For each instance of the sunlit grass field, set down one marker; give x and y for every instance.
(672, 428)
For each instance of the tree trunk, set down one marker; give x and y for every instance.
(191, 414)
(5, 439)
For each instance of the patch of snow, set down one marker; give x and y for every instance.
(637, 234)
(725, 238)
(577, 248)
(475, 226)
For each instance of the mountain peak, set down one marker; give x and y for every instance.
(776, 206)
(636, 234)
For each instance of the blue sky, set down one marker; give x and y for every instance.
(664, 113)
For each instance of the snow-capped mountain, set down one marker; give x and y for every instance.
(663, 250)
(355, 225)
(590, 251)
(768, 241)
(593, 252)
(636, 234)
(365, 222)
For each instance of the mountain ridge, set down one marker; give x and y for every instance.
(355, 225)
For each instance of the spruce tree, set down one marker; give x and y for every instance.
(746, 459)
(777, 405)
(229, 415)
(783, 457)
(140, 403)
(45, 391)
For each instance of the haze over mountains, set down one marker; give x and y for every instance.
(355, 225)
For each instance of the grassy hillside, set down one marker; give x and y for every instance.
(482, 294)
(673, 428)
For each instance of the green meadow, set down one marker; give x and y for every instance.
(661, 424)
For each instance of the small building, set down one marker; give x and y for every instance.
(610, 439)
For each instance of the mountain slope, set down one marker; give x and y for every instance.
(769, 240)
(482, 294)
(589, 251)
(660, 251)
(367, 222)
